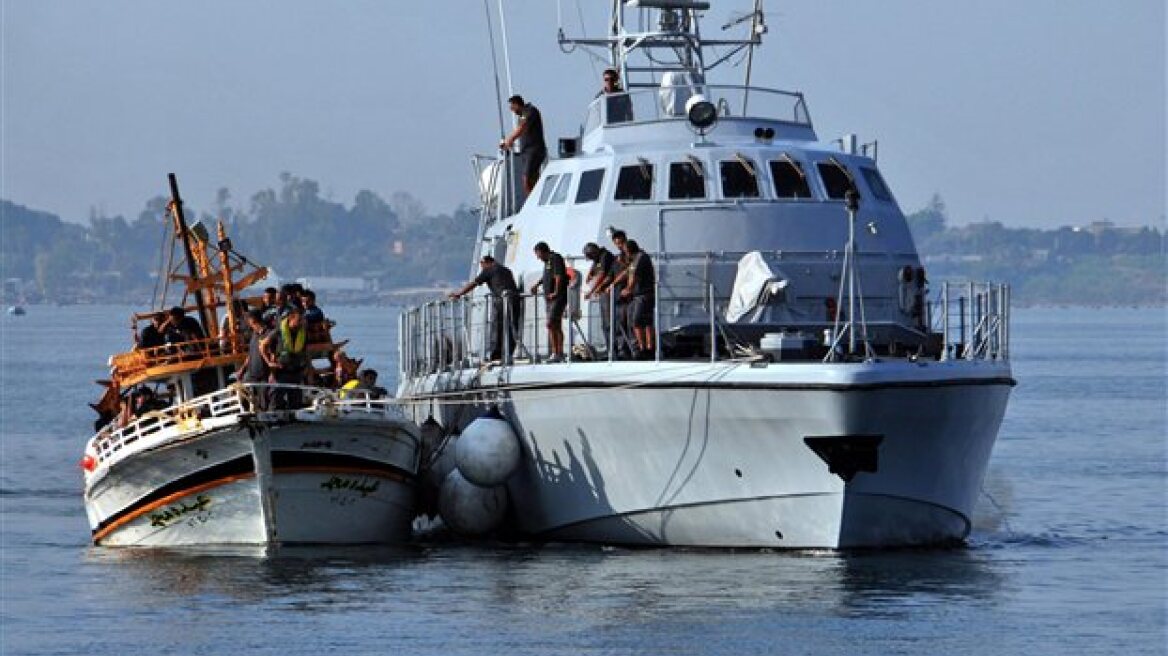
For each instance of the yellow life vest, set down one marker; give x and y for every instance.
(348, 387)
(292, 343)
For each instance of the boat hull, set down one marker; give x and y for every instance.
(733, 457)
(319, 482)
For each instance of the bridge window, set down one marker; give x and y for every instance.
(687, 180)
(876, 183)
(739, 179)
(790, 179)
(835, 181)
(561, 193)
(589, 189)
(634, 182)
(549, 185)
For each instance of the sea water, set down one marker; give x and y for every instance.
(1068, 553)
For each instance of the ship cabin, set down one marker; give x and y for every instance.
(759, 231)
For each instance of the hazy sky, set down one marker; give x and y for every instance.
(1035, 112)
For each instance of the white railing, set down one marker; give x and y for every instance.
(647, 105)
(968, 321)
(973, 320)
(226, 406)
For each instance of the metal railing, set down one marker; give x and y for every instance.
(973, 320)
(667, 103)
(224, 407)
(967, 321)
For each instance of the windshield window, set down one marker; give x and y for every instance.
(562, 189)
(634, 182)
(790, 179)
(738, 179)
(835, 181)
(686, 180)
(549, 185)
(876, 183)
(589, 189)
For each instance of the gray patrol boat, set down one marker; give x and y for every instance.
(805, 389)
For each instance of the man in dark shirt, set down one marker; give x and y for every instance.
(312, 312)
(254, 368)
(619, 106)
(555, 290)
(182, 328)
(641, 292)
(501, 282)
(604, 269)
(529, 133)
(152, 335)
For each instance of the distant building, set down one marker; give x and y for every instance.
(334, 284)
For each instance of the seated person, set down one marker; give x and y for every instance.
(312, 313)
(152, 335)
(182, 328)
(367, 387)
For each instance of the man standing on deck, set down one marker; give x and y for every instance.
(254, 368)
(619, 106)
(501, 282)
(529, 133)
(604, 269)
(555, 290)
(285, 349)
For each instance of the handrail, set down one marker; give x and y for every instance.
(221, 408)
(140, 360)
(968, 322)
(667, 103)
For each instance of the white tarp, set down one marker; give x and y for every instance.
(755, 286)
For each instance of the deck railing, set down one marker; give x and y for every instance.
(667, 103)
(968, 321)
(225, 407)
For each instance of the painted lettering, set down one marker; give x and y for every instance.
(170, 514)
(362, 485)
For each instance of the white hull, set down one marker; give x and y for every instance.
(715, 455)
(324, 481)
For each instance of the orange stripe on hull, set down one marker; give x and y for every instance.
(97, 537)
(122, 521)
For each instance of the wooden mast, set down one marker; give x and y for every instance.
(180, 221)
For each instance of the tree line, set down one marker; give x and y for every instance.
(1097, 264)
(291, 229)
(399, 244)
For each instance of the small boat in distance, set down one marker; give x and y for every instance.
(185, 456)
(16, 310)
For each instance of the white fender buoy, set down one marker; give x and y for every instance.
(468, 508)
(487, 453)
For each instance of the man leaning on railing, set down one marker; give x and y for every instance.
(501, 283)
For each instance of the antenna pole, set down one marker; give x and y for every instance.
(181, 223)
(506, 49)
(495, 67)
(754, 22)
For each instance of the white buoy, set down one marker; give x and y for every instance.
(468, 508)
(487, 453)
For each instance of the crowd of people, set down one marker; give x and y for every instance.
(278, 331)
(621, 283)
